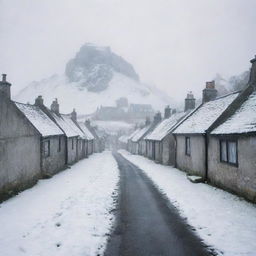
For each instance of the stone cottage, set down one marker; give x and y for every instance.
(89, 138)
(98, 144)
(162, 139)
(232, 144)
(19, 146)
(191, 133)
(53, 150)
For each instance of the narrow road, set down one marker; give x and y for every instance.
(147, 224)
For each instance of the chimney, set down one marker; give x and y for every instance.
(88, 122)
(167, 112)
(55, 107)
(252, 79)
(39, 101)
(5, 87)
(174, 111)
(209, 93)
(74, 115)
(147, 122)
(190, 102)
(157, 118)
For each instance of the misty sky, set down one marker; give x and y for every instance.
(175, 44)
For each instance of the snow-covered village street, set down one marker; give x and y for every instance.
(77, 211)
(128, 128)
(69, 214)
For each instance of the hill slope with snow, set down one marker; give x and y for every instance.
(96, 76)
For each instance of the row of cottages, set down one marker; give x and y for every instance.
(160, 142)
(36, 142)
(136, 142)
(216, 140)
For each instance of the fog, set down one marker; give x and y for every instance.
(175, 44)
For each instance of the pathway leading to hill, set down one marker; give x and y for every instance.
(147, 225)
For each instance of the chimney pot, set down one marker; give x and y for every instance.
(167, 112)
(39, 101)
(4, 77)
(74, 115)
(190, 102)
(5, 87)
(252, 79)
(209, 93)
(55, 107)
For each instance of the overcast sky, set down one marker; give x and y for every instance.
(175, 44)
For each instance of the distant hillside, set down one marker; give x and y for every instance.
(234, 83)
(95, 76)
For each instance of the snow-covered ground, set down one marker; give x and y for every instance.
(223, 220)
(69, 214)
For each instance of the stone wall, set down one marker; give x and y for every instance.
(56, 160)
(195, 163)
(72, 151)
(169, 152)
(19, 150)
(158, 152)
(239, 179)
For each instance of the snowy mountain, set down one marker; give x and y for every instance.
(95, 76)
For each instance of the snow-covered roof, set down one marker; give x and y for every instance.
(86, 131)
(165, 127)
(242, 121)
(75, 130)
(123, 138)
(140, 133)
(204, 116)
(67, 125)
(39, 120)
(133, 134)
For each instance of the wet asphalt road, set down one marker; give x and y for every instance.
(147, 224)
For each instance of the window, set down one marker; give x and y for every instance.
(59, 147)
(228, 152)
(46, 148)
(187, 146)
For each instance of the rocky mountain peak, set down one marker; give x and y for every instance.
(93, 67)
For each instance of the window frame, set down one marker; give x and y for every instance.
(227, 141)
(187, 142)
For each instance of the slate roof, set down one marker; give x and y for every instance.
(242, 121)
(71, 128)
(165, 127)
(39, 119)
(86, 131)
(204, 116)
(134, 133)
(141, 133)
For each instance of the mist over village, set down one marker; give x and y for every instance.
(127, 128)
